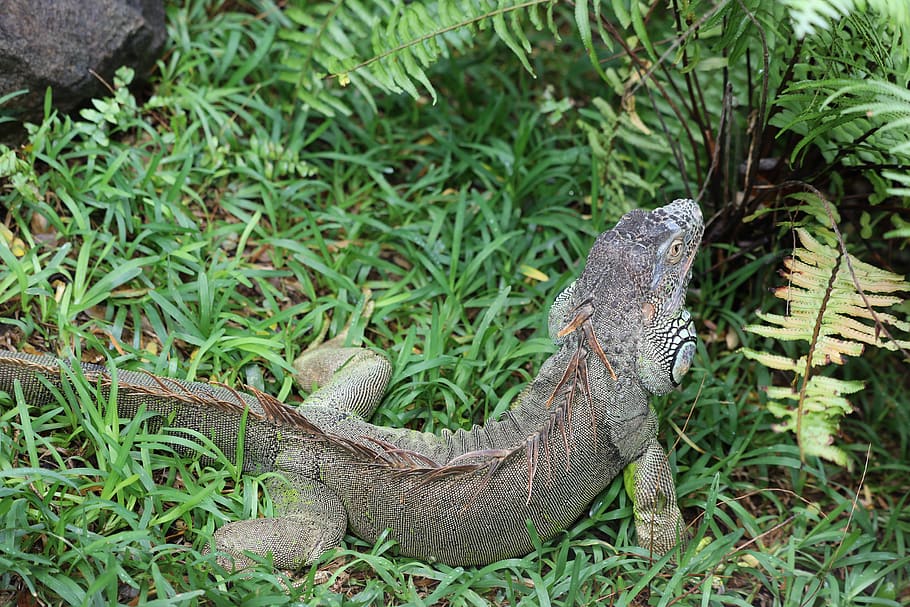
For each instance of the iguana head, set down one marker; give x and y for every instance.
(630, 296)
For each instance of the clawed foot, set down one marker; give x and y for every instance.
(291, 541)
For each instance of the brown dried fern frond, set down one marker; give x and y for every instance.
(831, 299)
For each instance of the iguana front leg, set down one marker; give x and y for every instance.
(649, 482)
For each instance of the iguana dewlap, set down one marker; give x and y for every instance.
(464, 497)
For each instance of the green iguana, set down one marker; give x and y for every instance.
(464, 497)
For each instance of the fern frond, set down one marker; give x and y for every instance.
(841, 110)
(826, 310)
(390, 45)
(325, 34)
(854, 106)
(811, 16)
(884, 103)
(822, 409)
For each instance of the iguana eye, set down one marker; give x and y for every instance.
(675, 252)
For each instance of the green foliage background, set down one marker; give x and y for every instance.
(269, 180)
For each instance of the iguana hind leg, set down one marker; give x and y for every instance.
(311, 520)
(348, 379)
(310, 517)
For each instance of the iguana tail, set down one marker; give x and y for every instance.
(217, 412)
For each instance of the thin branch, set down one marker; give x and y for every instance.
(692, 86)
(755, 148)
(723, 131)
(645, 73)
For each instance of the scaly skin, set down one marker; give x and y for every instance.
(464, 497)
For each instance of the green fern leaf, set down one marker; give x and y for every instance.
(390, 45)
(583, 22)
(809, 16)
(518, 43)
(772, 361)
(638, 24)
(822, 408)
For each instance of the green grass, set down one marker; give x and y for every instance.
(216, 228)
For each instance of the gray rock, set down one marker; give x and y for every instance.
(59, 43)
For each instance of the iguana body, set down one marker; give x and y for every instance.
(463, 497)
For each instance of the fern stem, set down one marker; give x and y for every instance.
(816, 330)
